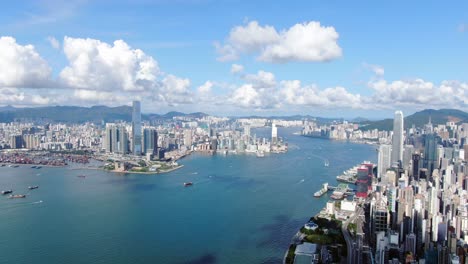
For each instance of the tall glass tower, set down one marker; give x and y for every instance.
(397, 140)
(136, 128)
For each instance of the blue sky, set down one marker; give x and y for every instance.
(421, 47)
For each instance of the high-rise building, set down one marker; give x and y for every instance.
(415, 166)
(16, 141)
(116, 139)
(397, 139)
(150, 141)
(384, 162)
(465, 148)
(430, 152)
(408, 151)
(136, 128)
(274, 133)
(188, 138)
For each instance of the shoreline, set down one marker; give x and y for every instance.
(130, 172)
(41, 165)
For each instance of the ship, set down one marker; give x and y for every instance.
(346, 178)
(186, 184)
(6, 192)
(322, 191)
(337, 195)
(17, 196)
(33, 187)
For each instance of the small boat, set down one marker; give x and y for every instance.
(17, 196)
(33, 167)
(327, 163)
(81, 176)
(38, 167)
(3, 165)
(186, 184)
(260, 154)
(33, 187)
(6, 192)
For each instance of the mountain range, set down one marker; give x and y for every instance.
(77, 114)
(420, 118)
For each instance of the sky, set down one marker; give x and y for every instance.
(322, 58)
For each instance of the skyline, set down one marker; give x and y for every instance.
(173, 57)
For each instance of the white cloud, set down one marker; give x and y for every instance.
(308, 41)
(419, 93)
(205, 88)
(24, 97)
(262, 79)
(97, 65)
(22, 66)
(175, 90)
(236, 68)
(53, 42)
(293, 93)
(247, 96)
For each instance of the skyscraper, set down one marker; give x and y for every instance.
(274, 133)
(150, 141)
(397, 140)
(136, 128)
(384, 160)
(430, 152)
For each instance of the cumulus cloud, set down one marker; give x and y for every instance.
(97, 65)
(205, 88)
(309, 41)
(53, 42)
(236, 68)
(175, 90)
(25, 97)
(21, 65)
(293, 93)
(420, 93)
(262, 79)
(247, 96)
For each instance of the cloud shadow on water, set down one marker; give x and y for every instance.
(279, 233)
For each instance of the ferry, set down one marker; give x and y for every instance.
(346, 178)
(319, 193)
(337, 195)
(33, 187)
(186, 184)
(322, 191)
(6, 192)
(17, 196)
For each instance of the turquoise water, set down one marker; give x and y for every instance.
(241, 209)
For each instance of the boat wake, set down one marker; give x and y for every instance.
(301, 181)
(17, 205)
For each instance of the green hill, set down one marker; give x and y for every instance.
(418, 119)
(76, 114)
